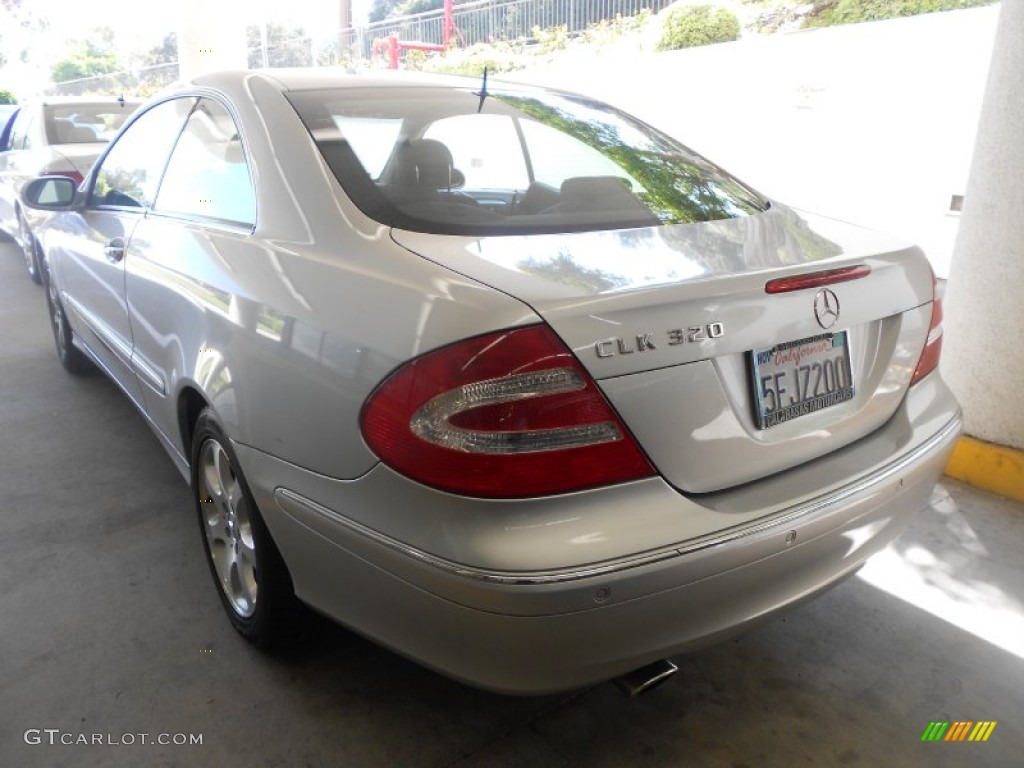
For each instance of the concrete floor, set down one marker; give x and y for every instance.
(109, 625)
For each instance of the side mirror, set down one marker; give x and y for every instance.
(49, 193)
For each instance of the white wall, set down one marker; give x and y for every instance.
(873, 123)
(983, 354)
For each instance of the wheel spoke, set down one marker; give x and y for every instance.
(210, 468)
(234, 498)
(216, 524)
(243, 578)
(222, 554)
(224, 472)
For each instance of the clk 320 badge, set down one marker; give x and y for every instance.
(644, 342)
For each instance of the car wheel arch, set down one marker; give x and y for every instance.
(191, 403)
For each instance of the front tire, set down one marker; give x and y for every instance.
(70, 356)
(30, 250)
(252, 579)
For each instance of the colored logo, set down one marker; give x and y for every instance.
(959, 730)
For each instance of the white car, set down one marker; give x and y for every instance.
(498, 376)
(55, 136)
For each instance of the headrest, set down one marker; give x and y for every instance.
(426, 163)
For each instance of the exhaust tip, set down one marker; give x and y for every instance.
(644, 679)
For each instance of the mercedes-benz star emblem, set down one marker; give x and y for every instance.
(826, 308)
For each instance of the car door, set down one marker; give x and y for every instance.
(91, 274)
(11, 160)
(187, 259)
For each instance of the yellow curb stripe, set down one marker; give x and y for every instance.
(991, 467)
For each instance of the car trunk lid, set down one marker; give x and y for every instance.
(79, 156)
(669, 319)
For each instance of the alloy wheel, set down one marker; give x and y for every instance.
(227, 524)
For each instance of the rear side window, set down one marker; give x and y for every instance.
(130, 172)
(85, 123)
(466, 161)
(207, 175)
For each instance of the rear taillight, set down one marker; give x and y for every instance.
(933, 346)
(75, 176)
(506, 415)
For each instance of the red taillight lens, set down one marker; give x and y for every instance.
(506, 415)
(75, 176)
(933, 346)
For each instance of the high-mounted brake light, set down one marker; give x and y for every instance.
(933, 345)
(817, 279)
(507, 415)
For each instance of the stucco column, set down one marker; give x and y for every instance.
(211, 36)
(983, 350)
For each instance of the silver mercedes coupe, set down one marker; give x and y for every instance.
(498, 376)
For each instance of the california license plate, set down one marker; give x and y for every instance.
(801, 377)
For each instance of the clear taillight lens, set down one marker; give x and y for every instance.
(506, 415)
(933, 345)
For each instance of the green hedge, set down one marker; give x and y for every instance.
(691, 25)
(852, 11)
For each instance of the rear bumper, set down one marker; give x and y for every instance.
(539, 631)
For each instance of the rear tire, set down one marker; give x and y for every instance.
(70, 356)
(30, 250)
(252, 579)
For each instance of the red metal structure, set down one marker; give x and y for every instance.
(396, 46)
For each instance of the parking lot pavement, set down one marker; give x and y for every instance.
(110, 629)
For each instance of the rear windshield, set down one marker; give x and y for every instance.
(453, 161)
(85, 123)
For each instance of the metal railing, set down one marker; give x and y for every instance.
(476, 21)
(490, 20)
(139, 82)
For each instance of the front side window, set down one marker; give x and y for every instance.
(207, 175)
(130, 172)
(20, 130)
(454, 161)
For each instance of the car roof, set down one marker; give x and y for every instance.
(312, 78)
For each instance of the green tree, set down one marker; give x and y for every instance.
(164, 53)
(687, 26)
(386, 9)
(20, 28)
(381, 9)
(409, 7)
(87, 58)
(6, 97)
(285, 47)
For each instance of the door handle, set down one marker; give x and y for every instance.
(114, 250)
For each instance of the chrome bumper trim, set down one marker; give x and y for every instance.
(694, 545)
